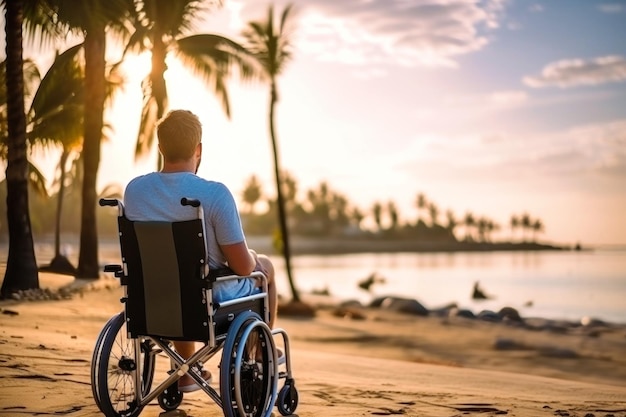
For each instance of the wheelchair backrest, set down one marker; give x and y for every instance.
(165, 278)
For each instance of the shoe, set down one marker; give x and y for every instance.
(206, 375)
(281, 356)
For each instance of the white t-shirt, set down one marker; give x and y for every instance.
(156, 197)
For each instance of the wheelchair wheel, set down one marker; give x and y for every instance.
(113, 367)
(248, 371)
(287, 401)
(95, 358)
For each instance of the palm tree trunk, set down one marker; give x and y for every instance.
(21, 272)
(282, 215)
(95, 43)
(60, 195)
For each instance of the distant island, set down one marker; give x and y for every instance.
(342, 245)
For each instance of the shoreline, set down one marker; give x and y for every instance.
(339, 246)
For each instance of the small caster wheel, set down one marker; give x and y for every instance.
(287, 400)
(170, 399)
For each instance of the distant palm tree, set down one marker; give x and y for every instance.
(161, 28)
(377, 211)
(252, 193)
(481, 226)
(469, 222)
(21, 271)
(452, 222)
(537, 227)
(526, 224)
(393, 215)
(422, 203)
(357, 217)
(515, 223)
(271, 45)
(433, 210)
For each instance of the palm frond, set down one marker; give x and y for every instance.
(149, 111)
(213, 58)
(56, 112)
(37, 180)
(272, 46)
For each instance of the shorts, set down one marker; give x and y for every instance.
(234, 288)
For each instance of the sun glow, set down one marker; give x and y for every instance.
(136, 67)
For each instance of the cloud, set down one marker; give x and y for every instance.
(611, 8)
(576, 72)
(580, 155)
(397, 32)
(496, 100)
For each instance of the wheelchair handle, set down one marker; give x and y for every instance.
(193, 202)
(113, 202)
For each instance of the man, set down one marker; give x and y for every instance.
(156, 196)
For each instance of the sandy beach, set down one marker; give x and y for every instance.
(347, 362)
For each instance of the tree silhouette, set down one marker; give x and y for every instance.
(21, 271)
(393, 215)
(161, 28)
(526, 224)
(515, 223)
(452, 222)
(537, 227)
(270, 44)
(433, 211)
(377, 211)
(92, 20)
(252, 193)
(469, 222)
(422, 203)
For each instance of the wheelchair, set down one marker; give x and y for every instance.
(167, 296)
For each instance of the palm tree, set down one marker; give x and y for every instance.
(356, 217)
(90, 20)
(271, 45)
(36, 180)
(422, 203)
(252, 193)
(377, 211)
(21, 271)
(393, 215)
(469, 222)
(452, 223)
(160, 27)
(56, 118)
(433, 210)
(526, 224)
(515, 223)
(536, 226)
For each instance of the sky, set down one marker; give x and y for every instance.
(494, 107)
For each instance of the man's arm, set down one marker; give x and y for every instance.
(240, 259)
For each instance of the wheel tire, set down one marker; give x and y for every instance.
(170, 399)
(112, 370)
(97, 352)
(287, 401)
(248, 376)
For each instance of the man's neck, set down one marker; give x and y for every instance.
(182, 166)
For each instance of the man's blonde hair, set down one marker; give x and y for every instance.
(179, 133)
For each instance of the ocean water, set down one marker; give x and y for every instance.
(566, 285)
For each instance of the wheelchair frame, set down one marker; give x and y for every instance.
(125, 352)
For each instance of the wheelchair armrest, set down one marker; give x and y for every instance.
(116, 269)
(254, 274)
